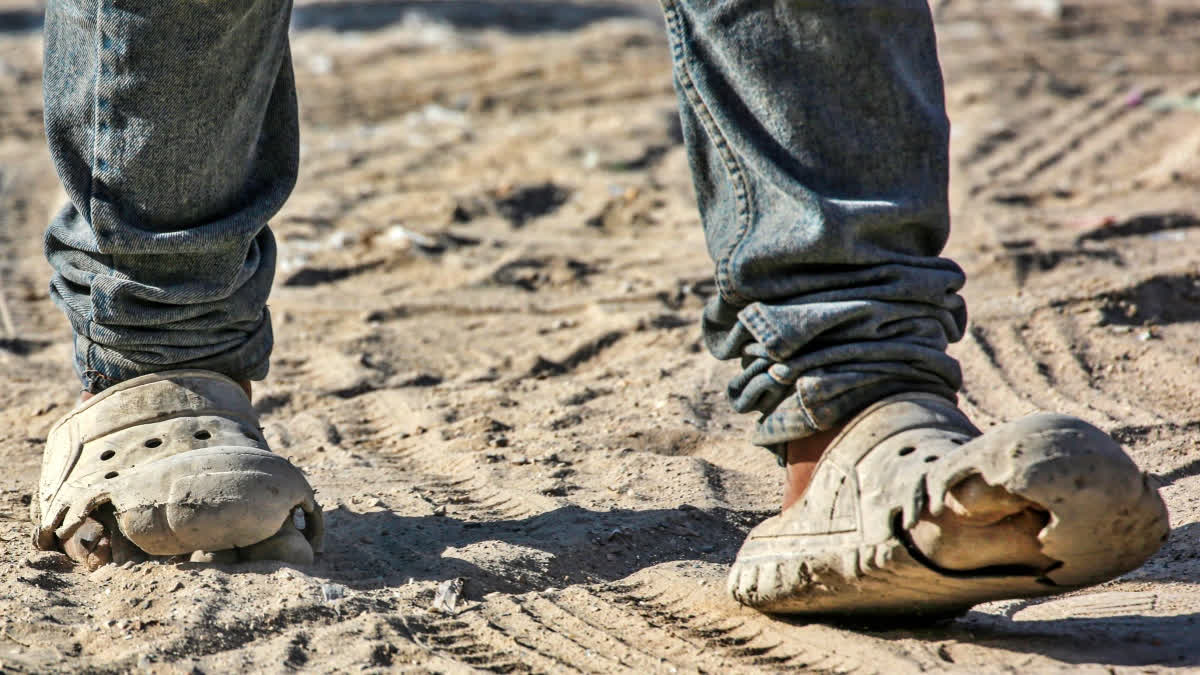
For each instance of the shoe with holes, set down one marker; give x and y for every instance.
(912, 511)
(177, 463)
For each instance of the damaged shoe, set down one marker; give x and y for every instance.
(912, 511)
(170, 464)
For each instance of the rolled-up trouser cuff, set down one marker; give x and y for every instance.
(174, 129)
(812, 364)
(135, 314)
(244, 357)
(819, 147)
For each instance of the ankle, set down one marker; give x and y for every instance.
(802, 457)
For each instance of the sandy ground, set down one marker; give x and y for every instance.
(488, 358)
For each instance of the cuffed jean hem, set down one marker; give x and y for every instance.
(870, 350)
(100, 367)
(792, 420)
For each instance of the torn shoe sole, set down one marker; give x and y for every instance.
(181, 461)
(844, 550)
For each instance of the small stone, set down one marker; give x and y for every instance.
(519, 460)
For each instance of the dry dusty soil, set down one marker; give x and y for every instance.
(488, 360)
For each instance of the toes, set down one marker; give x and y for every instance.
(976, 502)
(983, 526)
(123, 550)
(287, 545)
(956, 544)
(225, 557)
(98, 542)
(89, 545)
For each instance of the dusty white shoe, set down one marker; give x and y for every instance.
(911, 511)
(177, 463)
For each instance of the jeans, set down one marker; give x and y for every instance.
(173, 127)
(818, 144)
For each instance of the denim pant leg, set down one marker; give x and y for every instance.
(818, 141)
(173, 127)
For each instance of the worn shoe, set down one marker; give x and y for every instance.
(176, 462)
(876, 532)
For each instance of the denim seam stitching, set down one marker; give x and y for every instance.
(99, 37)
(764, 330)
(804, 409)
(737, 175)
(91, 195)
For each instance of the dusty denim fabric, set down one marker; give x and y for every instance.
(818, 142)
(173, 127)
(816, 132)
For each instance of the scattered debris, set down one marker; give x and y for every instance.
(430, 245)
(448, 594)
(332, 592)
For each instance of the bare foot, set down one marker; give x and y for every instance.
(802, 457)
(982, 525)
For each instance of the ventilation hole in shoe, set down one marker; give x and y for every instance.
(202, 435)
(111, 474)
(107, 455)
(907, 450)
(153, 443)
(931, 458)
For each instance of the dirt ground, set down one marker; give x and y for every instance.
(488, 355)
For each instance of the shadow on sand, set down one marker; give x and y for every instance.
(573, 545)
(568, 545)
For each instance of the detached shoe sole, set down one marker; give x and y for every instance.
(847, 548)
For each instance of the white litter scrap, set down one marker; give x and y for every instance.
(332, 592)
(449, 593)
(1050, 9)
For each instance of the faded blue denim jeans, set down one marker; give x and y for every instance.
(816, 132)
